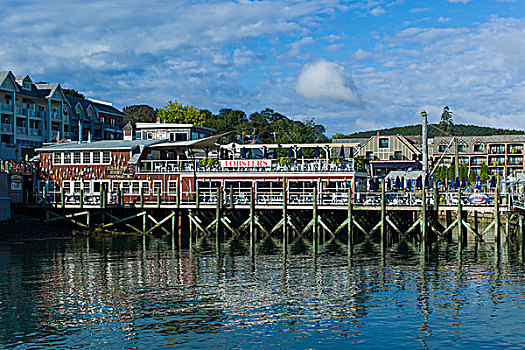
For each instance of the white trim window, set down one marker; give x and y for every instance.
(57, 158)
(76, 187)
(67, 158)
(172, 188)
(86, 187)
(66, 185)
(145, 186)
(157, 186)
(135, 187)
(96, 157)
(106, 157)
(77, 158)
(86, 157)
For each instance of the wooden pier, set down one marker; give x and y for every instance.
(318, 217)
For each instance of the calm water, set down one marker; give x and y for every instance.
(120, 293)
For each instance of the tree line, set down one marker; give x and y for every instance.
(266, 126)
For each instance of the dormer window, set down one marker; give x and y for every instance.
(26, 85)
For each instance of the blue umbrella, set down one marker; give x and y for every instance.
(409, 184)
(456, 184)
(398, 183)
(371, 185)
(300, 153)
(451, 184)
(342, 152)
(317, 151)
(478, 182)
(290, 152)
(265, 152)
(427, 184)
(493, 182)
(463, 182)
(419, 182)
(243, 153)
(402, 182)
(249, 154)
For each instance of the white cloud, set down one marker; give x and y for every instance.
(327, 81)
(362, 55)
(296, 46)
(377, 11)
(443, 19)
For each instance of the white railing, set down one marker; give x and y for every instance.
(4, 107)
(7, 127)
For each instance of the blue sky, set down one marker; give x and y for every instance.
(352, 65)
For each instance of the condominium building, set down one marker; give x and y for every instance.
(32, 114)
(502, 153)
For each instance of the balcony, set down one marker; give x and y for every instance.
(35, 132)
(55, 116)
(4, 107)
(499, 149)
(7, 128)
(22, 130)
(54, 134)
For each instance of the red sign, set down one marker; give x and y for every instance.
(246, 163)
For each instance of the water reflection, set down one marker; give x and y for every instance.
(148, 292)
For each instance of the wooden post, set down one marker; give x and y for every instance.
(177, 197)
(119, 197)
(142, 198)
(285, 219)
(232, 205)
(81, 198)
(218, 214)
(88, 220)
(158, 199)
(190, 216)
(383, 217)
(461, 238)
(144, 223)
(252, 218)
(436, 197)
(497, 238)
(198, 195)
(103, 196)
(350, 218)
(423, 220)
(62, 198)
(522, 237)
(315, 219)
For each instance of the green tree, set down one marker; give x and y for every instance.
(175, 112)
(446, 124)
(463, 172)
(73, 92)
(140, 113)
(472, 176)
(484, 173)
(451, 173)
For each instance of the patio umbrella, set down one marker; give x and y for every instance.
(456, 184)
(290, 152)
(317, 151)
(402, 182)
(463, 182)
(342, 152)
(249, 154)
(493, 182)
(398, 183)
(409, 184)
(274, 155)
(371, 185)
(478, 182)
(427, 183)
(300, 153)
(419, 182)
(243, 153)
(265, 152)
(451, 184)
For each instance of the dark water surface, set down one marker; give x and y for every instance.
(113, 293)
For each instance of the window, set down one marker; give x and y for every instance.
(462, 148)
(398, 155)
(383, 143)
(86, 157)
(106, 157)
(85, 186)
(442, 148)
(478, 148)
(125, 187)
(135, 189)
(76, 158)
(369, 155)
(145, 186)
(157, 187)
(76, 187)
(172, 187)
(67, 158)
(114, 186)
(150, 136)
(96, 157)
(67, 187)
(57, 158)
(181, 136)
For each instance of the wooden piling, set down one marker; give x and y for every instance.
(62, 198)
(198, 196)
(461, 232)
(285, 218)
(315, 228)
(350, 225)
(81, 198)
(158, 199)
(423, 220)
(436, 197)
(142, 197)
(252, 218)
(144, 223)
(497, 238)
(383, 217)
(232, 205)
(521, 219)
(218, 214)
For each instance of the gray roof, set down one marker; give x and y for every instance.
(107, 109)
(73, 101)
(361, 140)
(97, 145)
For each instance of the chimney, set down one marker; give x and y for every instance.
(378, 133)
(89, 136)
(158, 120)
(128, 132)
(79, 130)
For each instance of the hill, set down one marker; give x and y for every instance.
(460, 130)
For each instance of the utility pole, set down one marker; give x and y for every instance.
(424, 127)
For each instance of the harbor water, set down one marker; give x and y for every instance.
(135, 293)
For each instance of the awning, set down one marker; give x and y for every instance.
(196, 145)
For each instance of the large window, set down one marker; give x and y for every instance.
(86, 157)
(96, 157)
(76, 158)
(67, 158)
(383, 143)
(442, 148)
(462, 148)
(106, 157)
(478, 148)
(57, 158)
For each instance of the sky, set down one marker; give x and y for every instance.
(351, 65)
